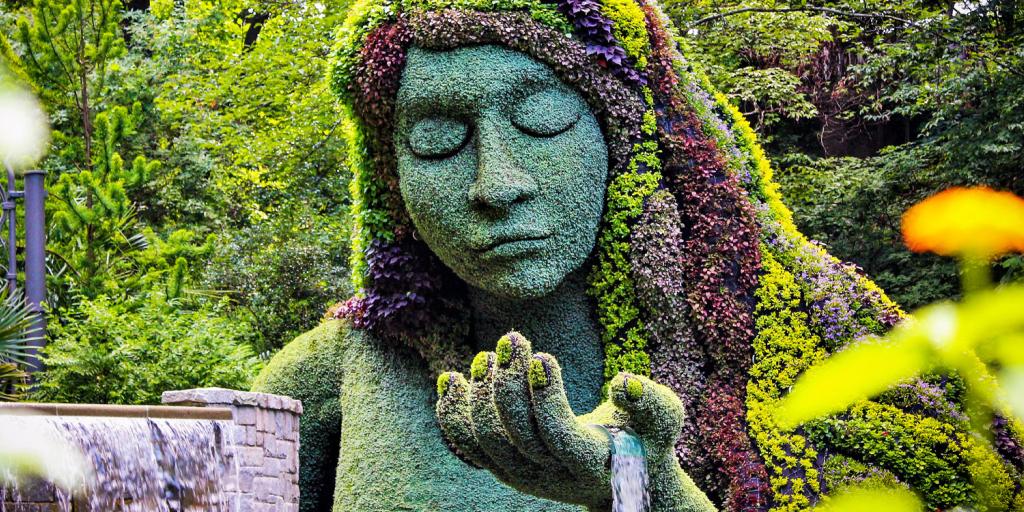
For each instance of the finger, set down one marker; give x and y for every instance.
(455, 418)
(585, 450)
(491, 435)
(512, 398)
(655, 412)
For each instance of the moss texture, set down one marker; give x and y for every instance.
(310, 369)
(399, 459)
(388, 398)
(520, 148)
(677, 261)
(516, 421)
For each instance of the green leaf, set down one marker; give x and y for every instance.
(873, 500)
(855, 374)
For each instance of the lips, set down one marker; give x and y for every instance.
(512, 245)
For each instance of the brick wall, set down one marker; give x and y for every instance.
(266, 433)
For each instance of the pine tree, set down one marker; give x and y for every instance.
(69, 51)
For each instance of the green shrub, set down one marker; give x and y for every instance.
(109, 352)
(285, 271)
(853, 206)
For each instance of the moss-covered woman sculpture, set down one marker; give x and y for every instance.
(556, 168)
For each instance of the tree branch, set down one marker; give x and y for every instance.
(826, 10)
(848, 14)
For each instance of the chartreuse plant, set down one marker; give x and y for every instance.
(980, 338)
(862, 500)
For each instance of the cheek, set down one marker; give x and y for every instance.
(435, 193)
(572, 170)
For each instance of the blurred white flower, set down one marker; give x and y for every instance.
(31, 447)
(24, 131)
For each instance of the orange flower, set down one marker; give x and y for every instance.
(976, 222)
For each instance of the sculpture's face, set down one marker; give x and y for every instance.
(502, 167)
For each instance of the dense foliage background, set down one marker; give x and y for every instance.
(198, 185)
(867, 107)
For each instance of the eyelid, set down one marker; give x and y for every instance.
(547, 113)
(437, 137)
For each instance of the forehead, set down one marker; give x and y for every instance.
(470, 75)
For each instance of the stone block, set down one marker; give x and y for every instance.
(266, 488)
(245, 479)
(293, 433)
(245, 415)
(250, 456)
(277, 448)
(246, 503)
(265, 421)
(272, 467)
(291, 460)
(230, 397)
(249, 436)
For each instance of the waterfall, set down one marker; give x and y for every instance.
(138, 464)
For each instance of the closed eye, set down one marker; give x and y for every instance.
(436, 137)
(547, 113)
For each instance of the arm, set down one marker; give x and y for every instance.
(309, 369)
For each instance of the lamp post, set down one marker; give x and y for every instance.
(24, 140)
(35, 260)
(34, 197)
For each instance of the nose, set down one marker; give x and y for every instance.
(500, 181)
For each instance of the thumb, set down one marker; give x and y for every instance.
(655, 412)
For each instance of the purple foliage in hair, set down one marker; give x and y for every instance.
(924, 398)
(595, 30)
(677, 358)
(400, 285)
(839, 303)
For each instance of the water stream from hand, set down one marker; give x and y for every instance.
(629, 473)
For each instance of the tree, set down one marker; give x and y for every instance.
(70, 54)
(251, 139)
(869, 107)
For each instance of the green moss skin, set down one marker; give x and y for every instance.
(309, 369)
(524, 155)
(398, 459)
(521, 160)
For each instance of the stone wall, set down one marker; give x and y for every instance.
(266, 433)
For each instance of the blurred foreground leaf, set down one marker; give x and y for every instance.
(1012, 380)
(986, 327)
(38, 452)
(873, 500)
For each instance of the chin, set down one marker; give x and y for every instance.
(528, 282)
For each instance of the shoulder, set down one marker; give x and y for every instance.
(309, 364)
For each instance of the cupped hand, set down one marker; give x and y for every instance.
(513, 418)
